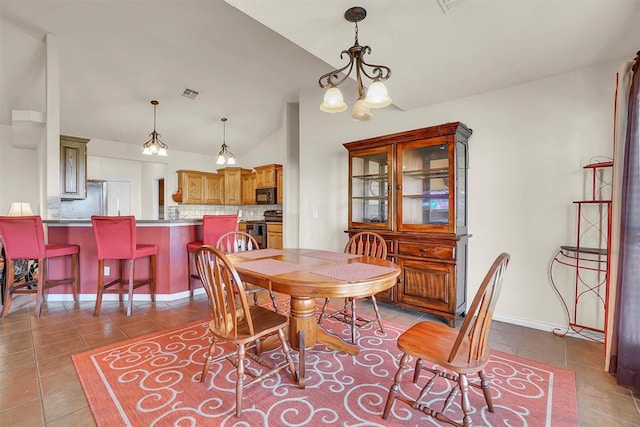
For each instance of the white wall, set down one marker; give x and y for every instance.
(19, 174)
(526, 156)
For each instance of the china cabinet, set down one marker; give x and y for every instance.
(73, 167)
(411, 187)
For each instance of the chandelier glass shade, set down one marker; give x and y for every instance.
(375, 97)
(225, 156)
(154, 145)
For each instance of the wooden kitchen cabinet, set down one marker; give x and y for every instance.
(73, 167)
(232, 179)
(192, 185)
(200, 188)
(266, 176)
(214, 189)
(274, 235)
(248, 187)
(279, 185)
(411, 187)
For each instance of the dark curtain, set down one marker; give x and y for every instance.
(627, 322)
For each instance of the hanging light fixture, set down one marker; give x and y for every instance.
(154, 145)
(225, 156)
(376, 95)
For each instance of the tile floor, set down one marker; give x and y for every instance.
(39, 386)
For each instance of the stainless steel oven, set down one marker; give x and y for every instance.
(258, 229)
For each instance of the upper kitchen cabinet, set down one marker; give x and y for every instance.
(200, 187)
(279, 185)
(214, 189)
(266, 176)
(232, 178)
(248, 187)
(73, 167)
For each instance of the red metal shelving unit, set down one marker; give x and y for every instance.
(589, 259)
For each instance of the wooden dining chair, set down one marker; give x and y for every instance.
(116, 240)
(213, 226)
(363, 243)
(23, 238)
(238, 241)
(234, 321)
(451, 354)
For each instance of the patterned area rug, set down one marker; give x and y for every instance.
(153, 381)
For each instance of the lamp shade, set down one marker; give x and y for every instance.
(333, 101)
(377, 96)
(360, 112)
(20, 209)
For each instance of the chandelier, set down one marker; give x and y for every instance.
(376, 95)
(154, 145)
(225, 156)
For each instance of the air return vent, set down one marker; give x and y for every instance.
(190, 93)
(447, 5)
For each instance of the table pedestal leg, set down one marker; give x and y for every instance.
(302, 319)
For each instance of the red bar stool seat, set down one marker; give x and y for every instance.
(213, 227)
(116, 240)
(23, 238)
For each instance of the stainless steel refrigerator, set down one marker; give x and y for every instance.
(94, 204)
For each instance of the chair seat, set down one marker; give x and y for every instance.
(56, 250)
(432, 341)
(265, 322)
(193, 246)
(146, 250)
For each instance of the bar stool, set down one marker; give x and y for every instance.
(213, 227)
(23, 238)
(116, 240)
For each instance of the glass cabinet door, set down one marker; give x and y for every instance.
(424, 178)
(369, 187)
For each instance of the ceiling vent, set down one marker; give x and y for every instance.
(190, 93)
(447, 5)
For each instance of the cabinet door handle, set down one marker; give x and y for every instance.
(424, 250)
(398, 187)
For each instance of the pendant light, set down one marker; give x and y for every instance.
(154, 145)
(225, 156)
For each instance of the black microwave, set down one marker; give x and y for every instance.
(266, 196)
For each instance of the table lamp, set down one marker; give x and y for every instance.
(20, 209)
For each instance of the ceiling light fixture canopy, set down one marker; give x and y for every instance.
(154, 145)
(225, 156)
(376, 95)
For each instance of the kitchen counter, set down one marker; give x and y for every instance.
(139, 222)
(171, 237)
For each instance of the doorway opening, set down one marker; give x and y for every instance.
(161, 198)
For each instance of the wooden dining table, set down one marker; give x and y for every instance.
(307, 274)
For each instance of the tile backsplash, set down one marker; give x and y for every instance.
(246, 212)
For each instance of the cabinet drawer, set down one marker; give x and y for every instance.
(426, 251)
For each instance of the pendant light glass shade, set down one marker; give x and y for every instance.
(360, 112)
(333, 101)
(377, 96)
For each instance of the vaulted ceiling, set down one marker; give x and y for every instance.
(247, 58)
